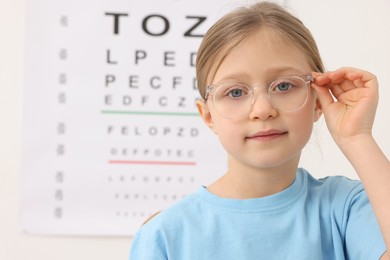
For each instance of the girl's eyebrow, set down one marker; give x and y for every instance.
(286, 71)
(234, 77)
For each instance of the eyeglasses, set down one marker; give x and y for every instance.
(234, 100)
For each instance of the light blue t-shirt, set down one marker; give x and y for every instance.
(329, 218)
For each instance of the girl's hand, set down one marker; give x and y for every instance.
(349, 98)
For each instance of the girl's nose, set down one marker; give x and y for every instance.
(261, 107)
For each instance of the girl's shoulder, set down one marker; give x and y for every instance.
(336, 192)
(332, 184)
(175, 213)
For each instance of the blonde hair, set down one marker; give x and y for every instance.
(234, 27)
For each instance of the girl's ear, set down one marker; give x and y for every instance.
(205, 114)
(317, 110)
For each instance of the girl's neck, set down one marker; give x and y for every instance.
(254, 183)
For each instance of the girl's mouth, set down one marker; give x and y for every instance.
(267, 135)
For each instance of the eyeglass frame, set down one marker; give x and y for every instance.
(309, 79)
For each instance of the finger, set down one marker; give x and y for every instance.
(352, 74)
(315, 74)
(335, 83)
(330, 77)
(342, 77)
(352, 97)
(337, 77)
(336, 90)
(320, 79)
(363, 78)
(341, 80)
(324, 95)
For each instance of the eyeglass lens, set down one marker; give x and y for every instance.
(234, 100)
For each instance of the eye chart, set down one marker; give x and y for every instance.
(111, 132)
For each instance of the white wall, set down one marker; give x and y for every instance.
(14, 245)
(354, 33)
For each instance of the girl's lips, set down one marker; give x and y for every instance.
(267, 135)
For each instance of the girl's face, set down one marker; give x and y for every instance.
(266, 137)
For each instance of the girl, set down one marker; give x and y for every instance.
(263, 86)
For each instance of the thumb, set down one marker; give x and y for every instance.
(324, 95)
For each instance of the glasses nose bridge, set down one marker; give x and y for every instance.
(255, 95)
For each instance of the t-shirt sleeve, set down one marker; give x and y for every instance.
(142, 249)
(363, 238)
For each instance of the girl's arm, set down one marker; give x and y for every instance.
(349, 99)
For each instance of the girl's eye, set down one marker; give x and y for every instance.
(232, 91)
(235, 93)
(283, 86)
